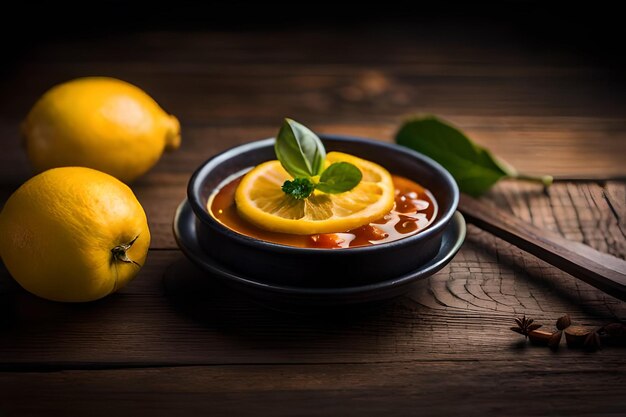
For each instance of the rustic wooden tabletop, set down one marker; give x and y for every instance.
(175, 343)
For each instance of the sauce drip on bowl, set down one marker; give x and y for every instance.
(415, 209)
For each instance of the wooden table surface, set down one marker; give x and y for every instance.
(175, 343)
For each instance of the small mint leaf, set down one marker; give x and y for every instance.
(299, 188)
(339, 177)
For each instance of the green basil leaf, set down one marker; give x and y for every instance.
(339, 177)
(299, 188)
(473, 167)
(299, 150)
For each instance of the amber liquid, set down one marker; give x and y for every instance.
(415, 209)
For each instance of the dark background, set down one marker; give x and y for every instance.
(595, 30)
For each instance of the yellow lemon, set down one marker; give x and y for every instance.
(261, 201)
(100, 123)
(73, 234)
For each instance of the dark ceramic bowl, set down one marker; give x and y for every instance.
(318, 300)
(321, 268)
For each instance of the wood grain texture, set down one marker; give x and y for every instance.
(183, 317)
(530, 149)
(174, 342)
(588, 213)
(472, 389)
(540, 111)
(605, 272)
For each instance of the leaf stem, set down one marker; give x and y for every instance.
(546, 180)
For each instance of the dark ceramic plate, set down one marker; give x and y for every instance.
(303, 298)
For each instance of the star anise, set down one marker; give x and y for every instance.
(525, 326)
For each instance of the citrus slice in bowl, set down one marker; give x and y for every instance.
(261, 201)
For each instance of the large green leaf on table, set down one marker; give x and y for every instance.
(473, 167)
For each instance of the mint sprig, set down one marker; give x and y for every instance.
(299, 188)
(302, 154)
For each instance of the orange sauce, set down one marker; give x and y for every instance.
(414, 210)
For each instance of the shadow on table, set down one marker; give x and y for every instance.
(206, 300)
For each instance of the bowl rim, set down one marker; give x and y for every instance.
(195, 185)
(206, 262)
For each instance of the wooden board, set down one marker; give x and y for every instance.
(489, 280)
(174, 342)
(401, 388)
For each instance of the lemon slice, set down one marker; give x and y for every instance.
(261, 201)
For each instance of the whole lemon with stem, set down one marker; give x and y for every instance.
(101, 123)
(73, 234)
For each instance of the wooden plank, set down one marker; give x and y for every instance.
(529, 144)
(320, 93)
(582, 212)
(461, 313)
(553, 115)
(160, 196)
(468, 388)
(596, 268)
(615, 194)
(184, 52)
(447, 339)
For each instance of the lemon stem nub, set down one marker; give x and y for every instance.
(172, 134)
(119, 252)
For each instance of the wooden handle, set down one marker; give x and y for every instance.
(601, 270)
